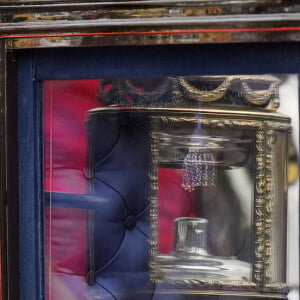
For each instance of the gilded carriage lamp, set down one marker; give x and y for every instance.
(219, 188)
(211, 155)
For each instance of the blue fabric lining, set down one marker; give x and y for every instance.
(113, 189)
(142, 232)
(114, 256)
(127, 171)
(171, 60)
(101, 285)
(143, 211)
(111, 150)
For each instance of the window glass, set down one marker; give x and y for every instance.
(156, 187)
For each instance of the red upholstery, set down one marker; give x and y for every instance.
(65, 107)
(66, 103)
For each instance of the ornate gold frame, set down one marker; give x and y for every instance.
(269, 97)
(263, 194)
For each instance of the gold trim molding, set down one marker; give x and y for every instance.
(262, 204)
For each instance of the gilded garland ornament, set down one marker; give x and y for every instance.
(149, 92)
(260, 97)
(204, 95)
(246, 87)
(243, 90)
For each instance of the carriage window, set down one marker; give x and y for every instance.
(166, 185)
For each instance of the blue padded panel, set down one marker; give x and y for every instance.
(119, 165)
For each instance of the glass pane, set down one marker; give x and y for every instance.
(152, 181)
(283, 143)
(204, 217)
(65, 107)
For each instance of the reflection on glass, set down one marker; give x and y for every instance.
(66, 103)
(279, 163)
(290, 106)
(247, 90)
(199, 204)
(97, 186)
(190, 259)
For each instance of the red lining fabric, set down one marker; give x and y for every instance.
(66, 103)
